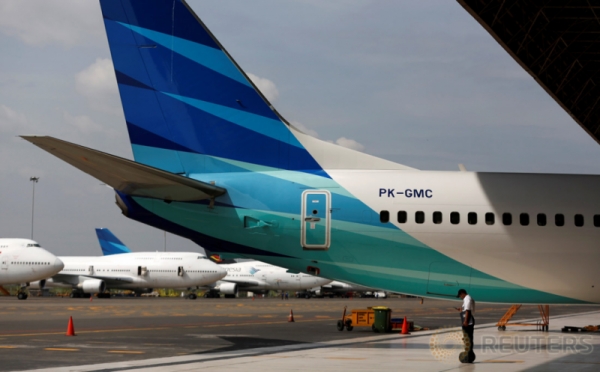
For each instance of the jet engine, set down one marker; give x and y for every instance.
(92, 286)
(228, 289)
(40, 284)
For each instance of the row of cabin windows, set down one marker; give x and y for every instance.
(489, 218)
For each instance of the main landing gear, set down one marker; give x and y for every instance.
(22, 293)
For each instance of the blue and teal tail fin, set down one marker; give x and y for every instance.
(109, 243)
(189, 107)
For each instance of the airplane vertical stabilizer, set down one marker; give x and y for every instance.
(109, 243)
(191, 109)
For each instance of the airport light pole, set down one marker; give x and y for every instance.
(34, 180)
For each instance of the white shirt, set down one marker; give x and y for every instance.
(468, 304)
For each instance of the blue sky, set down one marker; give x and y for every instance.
(419, 83)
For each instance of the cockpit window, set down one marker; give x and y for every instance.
(33, 245)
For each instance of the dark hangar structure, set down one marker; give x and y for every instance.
(557, 42)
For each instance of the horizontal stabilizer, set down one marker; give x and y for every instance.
(127, 176)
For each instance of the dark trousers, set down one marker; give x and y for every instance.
(468, 331)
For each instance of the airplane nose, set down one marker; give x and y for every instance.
(58, 264)
(323, 281)
(221, 272)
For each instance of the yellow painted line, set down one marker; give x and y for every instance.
(191, 327)
(7, 347)
(322, 317)
(126, 352)
(147, 344)
(163, 328)
(257, 323)
(60, 349)
(98, 331)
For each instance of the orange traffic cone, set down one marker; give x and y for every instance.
(70, 328)
(291, 317)
(405, 327)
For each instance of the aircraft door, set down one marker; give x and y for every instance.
(4, 261)
(316, 219)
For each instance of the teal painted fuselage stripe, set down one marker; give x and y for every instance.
(370, 255)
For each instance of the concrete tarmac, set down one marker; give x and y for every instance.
(32, 332)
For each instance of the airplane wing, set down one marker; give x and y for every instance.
(74, 279)
(127, 176)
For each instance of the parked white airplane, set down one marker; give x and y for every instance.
(23, 261)
(256, 276)
(139, 271)
(341, 288)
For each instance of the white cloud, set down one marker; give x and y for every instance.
(266, 86)
(10, 119)
(98, 85)
(39, 22)
(304, 129)
(350, 143)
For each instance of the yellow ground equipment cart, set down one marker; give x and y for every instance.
(357, 318)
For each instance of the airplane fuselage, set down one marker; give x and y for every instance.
(137, 270)
(521, 262)
(260, 276)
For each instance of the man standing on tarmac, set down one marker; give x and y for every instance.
(468, 324)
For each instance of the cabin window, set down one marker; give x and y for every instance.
(490, 218)
(384, 216)
(402, 217)
(455, 218)
(541, 219)
(437, 217)
(579, 220)
(419, 217)
(506, 219)
(472, 218)
(559, 219)
(524, 219)
(597, 220)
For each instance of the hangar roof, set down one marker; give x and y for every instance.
(557, 42)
